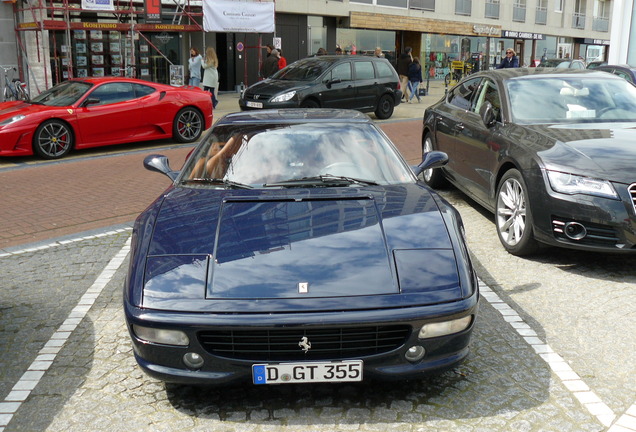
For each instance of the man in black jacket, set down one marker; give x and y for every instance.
(403, 63)
(270, 64)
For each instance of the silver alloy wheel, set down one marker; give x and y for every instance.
(54, 139)
(511, 212)
(428, 147)
(189, 125)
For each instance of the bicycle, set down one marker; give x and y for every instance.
(14, 89)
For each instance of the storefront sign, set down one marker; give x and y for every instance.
(238, 17)
(98, 5)
(153, 11)
(486, 30)
(164, 37)
(596, 41)
(521, 35)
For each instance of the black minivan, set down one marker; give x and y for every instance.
(367, 84)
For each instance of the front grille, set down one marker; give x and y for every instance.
(597, 235)
(283, 344)
(632, 193)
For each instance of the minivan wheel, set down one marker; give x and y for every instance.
(385, 107)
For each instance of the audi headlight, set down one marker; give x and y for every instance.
(12, 120)
(574, 184)
(284, 97)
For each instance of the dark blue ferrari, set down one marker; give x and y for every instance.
(298, 246)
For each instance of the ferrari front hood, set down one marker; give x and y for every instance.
(277, 251)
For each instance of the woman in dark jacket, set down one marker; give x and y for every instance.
(415, 78)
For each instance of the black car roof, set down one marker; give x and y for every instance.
(295, 115)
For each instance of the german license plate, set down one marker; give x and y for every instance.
(254, 104)
(290, 373)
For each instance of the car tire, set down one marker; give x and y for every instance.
(53, 139)
(513, 215)
(385, 107)
(309, 103)
(434, 177)
(188, 125)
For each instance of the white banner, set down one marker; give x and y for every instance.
(229, 16)
(99, 5)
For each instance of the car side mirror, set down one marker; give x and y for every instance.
(487, 114)
(160, 163)
(90, 101)
(432, 159)
(333, 81)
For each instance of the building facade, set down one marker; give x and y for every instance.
(57, 40)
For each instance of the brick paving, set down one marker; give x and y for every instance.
(44, 200)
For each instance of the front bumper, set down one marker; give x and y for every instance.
(166, 362)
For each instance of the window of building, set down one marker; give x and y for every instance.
(541, 15)
(578, 17)
(463, 7)
(492, 9)
(519, 11)
(558, 5)
(428, 5)
(393, 3)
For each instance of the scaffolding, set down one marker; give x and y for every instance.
(37, 52)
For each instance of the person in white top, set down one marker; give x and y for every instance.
(211, 74)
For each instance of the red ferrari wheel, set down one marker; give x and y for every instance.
(188, 125)
(53, 139)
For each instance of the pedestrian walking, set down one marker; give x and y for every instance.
(194, 67)
(415, 79)
(403, 63)
(211, 74)
(270, 64)
(510, 61)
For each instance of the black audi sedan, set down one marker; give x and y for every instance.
(297, 246)
(551, 152)
(367, 84)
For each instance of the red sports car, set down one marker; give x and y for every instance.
(92, 112)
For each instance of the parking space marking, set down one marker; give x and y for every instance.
(64, 242)
(27, 382)
(570, 379)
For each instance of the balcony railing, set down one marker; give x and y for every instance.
(463, 7)
(492, 10)
(519, 14)
(541, 16)
(600, 24)
(578, 21)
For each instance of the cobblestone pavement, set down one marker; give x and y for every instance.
(552, 350)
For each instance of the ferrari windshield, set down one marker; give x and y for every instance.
(296, 155)
(581, 99)
(63, 94)
(303, 70)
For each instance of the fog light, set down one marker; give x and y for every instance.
(193, 360)
(415, 353)
(161, 336)
(444, 328)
